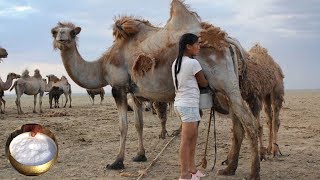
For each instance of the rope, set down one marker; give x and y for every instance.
(155, 159)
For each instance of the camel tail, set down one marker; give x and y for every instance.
(14, 85)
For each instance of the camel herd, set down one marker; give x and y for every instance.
(138, 63)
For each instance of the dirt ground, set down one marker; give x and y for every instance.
(88, 138)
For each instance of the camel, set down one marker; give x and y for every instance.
(62, 83)
(2, 101)
(30, 85)
(93, 92)
(10, 77)
(139, 63)
(261, 83)
(3, 53)
(55, 94)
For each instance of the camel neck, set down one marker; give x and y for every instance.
(85, 74)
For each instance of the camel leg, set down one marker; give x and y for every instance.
(18, 103)
(161, 111)
(268, 111)
(102, 98)
(50, 100)
(4, 106)
(92, 97)
(276, 107)
(66, 95)
(34, 103)
(138, 118)
(120, 97)
(1, 107)
(40, 101)
(70, 100)
(233, 155)
(256, 107)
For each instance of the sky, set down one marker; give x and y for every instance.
(289, 29)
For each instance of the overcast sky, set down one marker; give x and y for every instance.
(289, 29)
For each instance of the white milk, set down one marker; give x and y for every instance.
(32, 151)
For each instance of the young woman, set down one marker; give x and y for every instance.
(188, 76)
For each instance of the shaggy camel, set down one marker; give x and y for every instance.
(30, 85)
(93, 92)
(261, 84)
(139, 62)
(3, 53)
(62, 83)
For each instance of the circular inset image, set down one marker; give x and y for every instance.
(32, 149)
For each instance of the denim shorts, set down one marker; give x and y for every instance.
(188, 114)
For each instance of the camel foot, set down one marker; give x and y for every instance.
(2, 112)
(51, 107)
(116, 165)
(140, 158)
(226, 172)
(70, 106)
(255, 176)
(263, 153)
(41, 111)
(276, 150)
(34, 111)
(163, 134)
(225, 162)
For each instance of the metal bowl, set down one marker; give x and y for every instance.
(32, 170)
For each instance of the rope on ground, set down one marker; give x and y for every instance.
(155, 159)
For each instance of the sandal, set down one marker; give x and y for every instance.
(199, 174)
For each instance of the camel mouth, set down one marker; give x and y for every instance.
(63, 41)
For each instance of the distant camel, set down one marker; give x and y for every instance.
(10, 77)
(63, 84)
(93, 92)
(30, 85)
(55, 94)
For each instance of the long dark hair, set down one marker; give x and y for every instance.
(185, 39)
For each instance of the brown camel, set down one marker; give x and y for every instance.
(62, 83)
(5, 86)
(139, 62)
(93, 92)
(30, 85)
(55, 94)
(3, 53)
(261, 85)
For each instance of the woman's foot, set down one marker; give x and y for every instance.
(198, 173)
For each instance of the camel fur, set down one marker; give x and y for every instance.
(115, 68)
(29, 85)
(3, 53)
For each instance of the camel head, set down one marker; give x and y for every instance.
(13, 76)
(52, 78)
(65, 35)
(3, 53)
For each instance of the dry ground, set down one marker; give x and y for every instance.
(88, 140)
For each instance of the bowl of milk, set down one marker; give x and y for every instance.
(32, 153)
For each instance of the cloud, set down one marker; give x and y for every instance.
(17, 11)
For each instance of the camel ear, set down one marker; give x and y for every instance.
(53, 32)
(76, 31)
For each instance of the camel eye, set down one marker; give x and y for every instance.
(54, 32)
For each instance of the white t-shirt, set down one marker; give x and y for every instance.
(188, 93)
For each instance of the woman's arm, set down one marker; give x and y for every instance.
(201, 79)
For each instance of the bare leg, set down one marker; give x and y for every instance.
(189, 130)
(161, 110)
(138, 119)
(120, 97)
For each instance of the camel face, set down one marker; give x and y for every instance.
(65, 35)
(14, 75)
(3, 53)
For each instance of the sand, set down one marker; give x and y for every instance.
(88, 138)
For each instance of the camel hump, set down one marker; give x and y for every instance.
(143, 64)
(257, 48)
(213, 37)
(127, 26)
(37, 74)
(25, 74)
